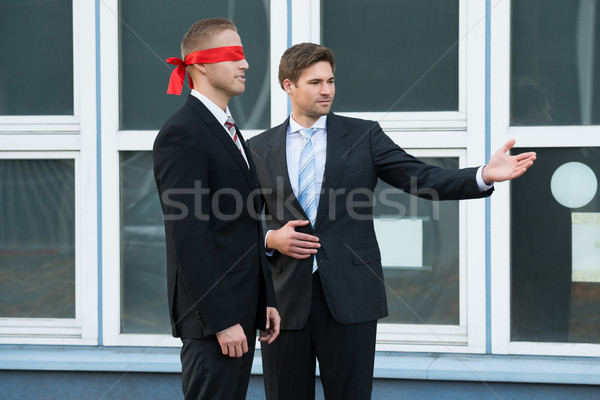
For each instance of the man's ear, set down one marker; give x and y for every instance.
(200, 67)
(288, 86)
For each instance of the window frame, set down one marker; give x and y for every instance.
(501, 131)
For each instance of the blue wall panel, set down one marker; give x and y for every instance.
(53, 385)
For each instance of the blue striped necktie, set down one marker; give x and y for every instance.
(307, 194)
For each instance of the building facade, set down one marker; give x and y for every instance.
(495, 298)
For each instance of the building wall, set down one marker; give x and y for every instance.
(504, 293)
(144, 386)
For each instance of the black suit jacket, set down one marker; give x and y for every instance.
(217, 273)
(349, 260)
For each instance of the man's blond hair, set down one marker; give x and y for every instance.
(196, 37)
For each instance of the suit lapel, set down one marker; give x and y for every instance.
(337, 148)
(253, 172)
(219, 131)
(276, 161)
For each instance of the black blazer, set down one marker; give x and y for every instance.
(217, 273)
(349, 260)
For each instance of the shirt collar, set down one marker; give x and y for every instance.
(215, 110)
(294, 127)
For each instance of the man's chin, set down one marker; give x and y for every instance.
(238, 91)
(325, 110)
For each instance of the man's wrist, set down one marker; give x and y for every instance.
(268, 249)
(483, 186)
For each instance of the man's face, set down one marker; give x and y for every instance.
(228, 77)
(312, 95)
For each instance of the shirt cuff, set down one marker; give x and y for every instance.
(480, 183)
(268, 252)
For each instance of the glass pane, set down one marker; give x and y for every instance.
(37, 239)
(555, 248)
(36, 69)
(393, 55)
(419, 248)
(144, 75)
(555, 64)
(143, 256)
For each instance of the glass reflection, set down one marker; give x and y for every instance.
(555, 64)
(423, 284)
(37, 239)
(143, 256)
(144, 75)
(555, 249)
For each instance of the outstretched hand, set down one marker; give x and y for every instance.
(503, 167)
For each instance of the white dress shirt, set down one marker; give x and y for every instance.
(220, 115)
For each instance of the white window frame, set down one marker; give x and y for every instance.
(66, 137)
(501, 131)
(115, 140)
(433, 134)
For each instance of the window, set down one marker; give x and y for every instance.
(555, 248)
(37, 238)
(544, 255)
(36, 72)
(144, 74)
(406, 53)
(419, 243)
(143, 253)
(555, 63)
(48, 218)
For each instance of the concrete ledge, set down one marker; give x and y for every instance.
(407, 366)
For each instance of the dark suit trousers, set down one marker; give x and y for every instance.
(345, 352)
(207, 374)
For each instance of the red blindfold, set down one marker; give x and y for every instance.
(208, 56)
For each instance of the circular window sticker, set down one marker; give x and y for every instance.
(573, 184)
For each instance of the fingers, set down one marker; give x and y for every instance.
(508, 145)
(276, 326)
(297, 222)
(233, 341)
(300, 245)
(272, 327)
(305, 237)
(272, 336)
(310, 247)
(267, 337)
(526, 156)
(237, 349)
(264, 336)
